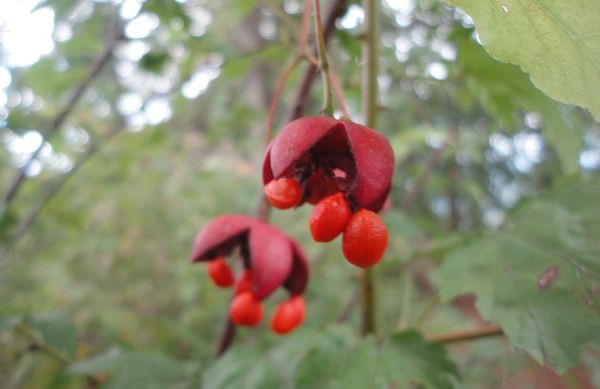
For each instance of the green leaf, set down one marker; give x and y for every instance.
(404, 359)
(100, 363)
(134, 369)
(9, 322)
(57, 330)
(503, 90)
(556, 42)
(539, 276)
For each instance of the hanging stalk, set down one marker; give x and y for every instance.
(323, 61)
(370, 53)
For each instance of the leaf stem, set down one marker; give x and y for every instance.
(370, 107)
(465, 335)
(323, 62)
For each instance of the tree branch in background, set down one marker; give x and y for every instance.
(276, 95)
(32, 216)
(465, 335)
(60, 118)
(337, 9)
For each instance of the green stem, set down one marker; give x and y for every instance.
(370, 108)
(323, 62)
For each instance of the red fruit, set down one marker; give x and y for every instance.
(329, 217)
(244, 284)
(283, 193)
(288, 315)
(246, 310)
(220, 273)
(365, 239)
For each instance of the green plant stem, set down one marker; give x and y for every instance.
(323, 62)
(370, 108)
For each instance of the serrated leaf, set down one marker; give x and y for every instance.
(406, 358)
(556, 42)
(403, 359)
(539, 276)
(503, 90)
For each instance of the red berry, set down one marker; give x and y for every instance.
(246, 310)
(220, 273)
(244, 284)
(288, 315)
(283, 193)
(365, 239)
(329, 217)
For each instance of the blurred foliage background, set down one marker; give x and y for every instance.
(167, 133)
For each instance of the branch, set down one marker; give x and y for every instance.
(465, 335)
(32, 216)
(370, 107)
(57, 122)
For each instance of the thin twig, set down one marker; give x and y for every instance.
(303, 40)
(337, 9)
(323, 61)
(465, 335)
(61, 117)
(276, 96)
(338, 90)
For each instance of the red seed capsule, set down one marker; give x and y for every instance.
(283, 193)
(220, 273)
(365, 239)
(288, 315)
(244, 284)
(319, 186)
(330, 217)
(246, 310)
